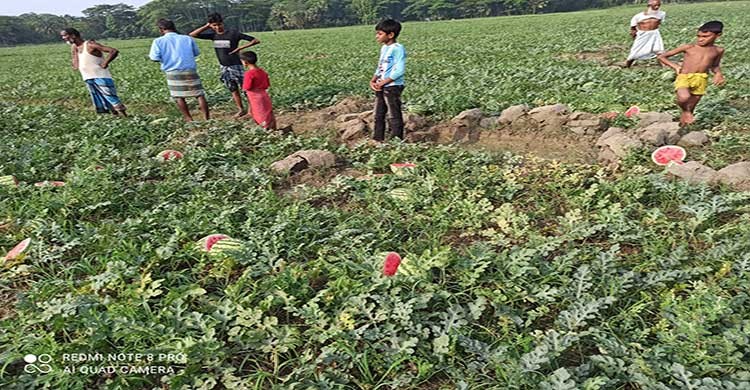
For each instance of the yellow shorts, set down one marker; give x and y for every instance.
(695, 82)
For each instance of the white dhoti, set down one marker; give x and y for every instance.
(647, 45)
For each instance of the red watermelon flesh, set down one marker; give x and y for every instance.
(170, 155)
(18, 249)
(209, 241)
(666, 154)
(632, 111)
(392, 261)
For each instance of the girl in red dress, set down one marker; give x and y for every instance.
(255, 84)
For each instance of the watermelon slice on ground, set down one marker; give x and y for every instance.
(170, 154)
(48, 183)
(8, 180)
(402, 168)
(668, 154)
(632, 111)
(610, 115)
(391, 263)
(218, 243)
(17, 250)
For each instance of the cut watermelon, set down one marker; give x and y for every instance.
(218, 243)
(610, 115)
(391, 263)
(170, 154)
(668, 154)
(402, 168)
(17, 250)
(48, 183)
(632, 111)
(8, 180)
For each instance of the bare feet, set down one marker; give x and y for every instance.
(686, 118)
(245, 117)
(238, 114)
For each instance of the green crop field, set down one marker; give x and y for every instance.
(516, 272)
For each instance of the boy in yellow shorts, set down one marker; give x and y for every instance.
(692, 75)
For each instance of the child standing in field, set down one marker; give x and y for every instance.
(226, 44)
(644, 28)
(692, 76)
(388, 81)
(255, 85)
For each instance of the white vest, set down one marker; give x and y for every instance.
(91, 65)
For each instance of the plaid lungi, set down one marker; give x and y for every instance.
(104, 95)
(232, 76)
(184, 83)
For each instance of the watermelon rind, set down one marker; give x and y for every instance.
(169, 154)
(402, 168)
(8, 180)
(17, 250)
(402, 194)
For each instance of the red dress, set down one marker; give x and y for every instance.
(255, 85)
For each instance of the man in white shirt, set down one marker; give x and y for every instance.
(644, 28)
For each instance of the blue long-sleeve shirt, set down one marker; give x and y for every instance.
(175, 52)
(392, 64)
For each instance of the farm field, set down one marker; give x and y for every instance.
(516, 272)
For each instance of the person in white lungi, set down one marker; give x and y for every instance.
(644, 28)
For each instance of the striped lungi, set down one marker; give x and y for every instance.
(104, 95)
(184, 83)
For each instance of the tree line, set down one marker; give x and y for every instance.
(125, 21)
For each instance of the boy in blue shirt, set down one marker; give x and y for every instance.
(388, 81)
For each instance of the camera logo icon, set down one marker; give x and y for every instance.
(37, 364)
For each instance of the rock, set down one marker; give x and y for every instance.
(289, 165)
(347, 117)
(512, 113)
(649, 118)
(581, 116)
(736, 175)
(610, 132)
(414, 122)
(621, 144)
(469, 118)
(591, 125)
(693, 138)
(693, 172)
(524, 123)
(421, 136)
(304, 159)
(654, 136)
(551, 117)
(661, 133)
(607, 157)
(356, 130)
(490, 122)
(367, 116)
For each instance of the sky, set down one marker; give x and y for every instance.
(57, 7)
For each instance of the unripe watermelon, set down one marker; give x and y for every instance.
(17, 250)
(8, 180)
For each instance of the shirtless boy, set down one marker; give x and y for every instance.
(692, 75)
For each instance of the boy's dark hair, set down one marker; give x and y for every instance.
(249, 56)
(72, 31)
(713, 26)
(389, 26)
(215, 18)
(166, 24)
